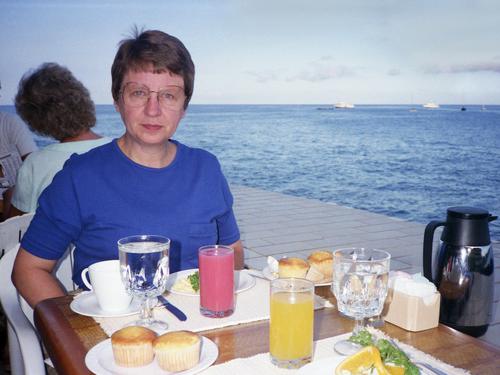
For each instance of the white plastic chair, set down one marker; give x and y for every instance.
(26, 357)
(12, 230)
(24, 346)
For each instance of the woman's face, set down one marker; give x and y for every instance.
(152, 123)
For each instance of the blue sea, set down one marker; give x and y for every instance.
(381, 158)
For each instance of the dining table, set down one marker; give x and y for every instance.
(68, 336)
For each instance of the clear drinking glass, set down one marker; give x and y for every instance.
(144, 271)
(216, 265)
(291, 322)
(359, 284)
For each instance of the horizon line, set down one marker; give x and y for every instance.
(316, 104)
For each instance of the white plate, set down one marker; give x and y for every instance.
(321, 366)
(268, 274)
(327, 366)
(271, 276)
(100, 360)
(86, 304)
(242, 280)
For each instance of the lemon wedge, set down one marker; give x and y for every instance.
(395, 370)
(361, 363)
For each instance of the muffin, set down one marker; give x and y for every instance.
(322, 260)
(133, 346)
(292, 267)
(177, 350)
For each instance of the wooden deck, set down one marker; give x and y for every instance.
(277, 224)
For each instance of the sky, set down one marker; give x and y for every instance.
(273, 51)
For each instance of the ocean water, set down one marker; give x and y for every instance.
(384, 159)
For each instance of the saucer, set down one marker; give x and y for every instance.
(100, 360)
(86, 304)
(242, 280)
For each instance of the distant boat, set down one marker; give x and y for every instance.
(483, 108)
(413, 109)
(344, 105)
(463, 109)
(431, 105)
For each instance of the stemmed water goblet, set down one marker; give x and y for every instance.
(144, 271)
(360, 282)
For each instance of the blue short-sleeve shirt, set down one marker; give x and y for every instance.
(102, 196)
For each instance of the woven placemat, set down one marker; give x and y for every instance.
(323, 351)
(251, 306)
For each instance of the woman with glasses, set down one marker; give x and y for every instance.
(144, 182)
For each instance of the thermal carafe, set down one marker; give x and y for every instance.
(463, 268)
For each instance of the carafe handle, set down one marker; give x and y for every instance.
(427, 253)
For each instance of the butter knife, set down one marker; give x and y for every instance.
(174, 310)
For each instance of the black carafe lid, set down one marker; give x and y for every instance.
(466, 226)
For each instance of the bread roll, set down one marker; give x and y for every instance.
(322, 260)
(133, 346)
(292, 267)
(177, 350)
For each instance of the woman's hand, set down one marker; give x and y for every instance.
(239, 256)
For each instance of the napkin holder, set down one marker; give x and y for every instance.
(412, 313)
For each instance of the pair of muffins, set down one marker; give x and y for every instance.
(318, 267)
(136, 346)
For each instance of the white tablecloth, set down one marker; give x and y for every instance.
(251, 305)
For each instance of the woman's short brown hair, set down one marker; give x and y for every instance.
(54, 103)
(152, 50)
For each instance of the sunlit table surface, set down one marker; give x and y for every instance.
(68, 337)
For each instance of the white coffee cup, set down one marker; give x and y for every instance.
(105, 282)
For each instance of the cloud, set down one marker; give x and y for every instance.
(322, 70)
(316, 71)
(264, 76)
(480, 67)
(394, 72)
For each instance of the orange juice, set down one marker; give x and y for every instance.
(291, 326)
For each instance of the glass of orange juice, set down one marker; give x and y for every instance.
(292, 322)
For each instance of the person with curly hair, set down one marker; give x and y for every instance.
(143, 182)
(54, 104)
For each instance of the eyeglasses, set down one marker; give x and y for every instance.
(137, 95)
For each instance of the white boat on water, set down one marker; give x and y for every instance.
(344, 105)
(430, 105)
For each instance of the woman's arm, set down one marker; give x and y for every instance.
(14, 211)
(239, 256)
(33, 278)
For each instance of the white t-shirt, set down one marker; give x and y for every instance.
(15, 141)
(39, 169)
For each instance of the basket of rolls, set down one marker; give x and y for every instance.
(318, 267)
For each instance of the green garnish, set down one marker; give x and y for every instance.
(194, 279)
(363, 338)
(388, 352)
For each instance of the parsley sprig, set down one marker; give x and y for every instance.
(194, 279)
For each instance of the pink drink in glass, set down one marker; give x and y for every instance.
(216, 265)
